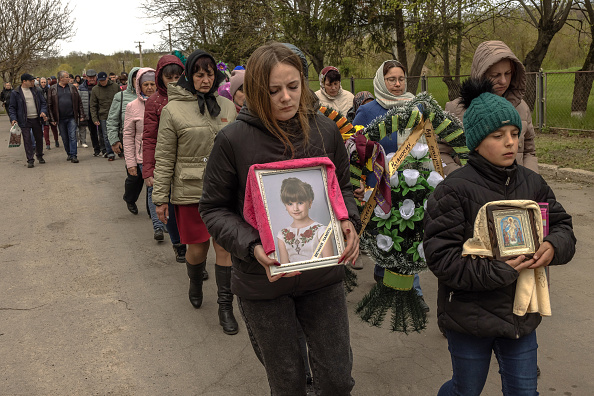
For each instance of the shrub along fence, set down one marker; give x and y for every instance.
(561, 100)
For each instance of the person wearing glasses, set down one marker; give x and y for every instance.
(389, 87)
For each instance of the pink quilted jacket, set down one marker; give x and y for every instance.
(134, 124)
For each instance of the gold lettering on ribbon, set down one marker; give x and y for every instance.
(425, 128)
(322, 242)
(433, 148)
(404, 149)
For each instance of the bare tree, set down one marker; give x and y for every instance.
(319, 28)
(459, 18)
(583, 81)
(29, 30)
(228, 31)
(548, 17)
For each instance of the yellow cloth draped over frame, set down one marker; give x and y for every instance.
(532, 292)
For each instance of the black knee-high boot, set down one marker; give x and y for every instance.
(195, 273)
(225, 300)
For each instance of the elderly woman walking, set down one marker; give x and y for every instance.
(189, 123)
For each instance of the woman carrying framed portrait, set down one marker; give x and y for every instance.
(280, 122)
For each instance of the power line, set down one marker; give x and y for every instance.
(140, 50)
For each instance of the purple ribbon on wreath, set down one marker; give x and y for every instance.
(367, 149)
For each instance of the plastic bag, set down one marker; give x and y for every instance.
(15, 136)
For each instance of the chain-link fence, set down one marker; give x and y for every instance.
(558, 100)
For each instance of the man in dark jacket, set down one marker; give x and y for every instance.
(65, 109)
(85, 89)
(101, 98)
(5, 95)
(27, 109)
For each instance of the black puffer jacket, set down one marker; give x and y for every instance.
(476, 295)
(238, 146)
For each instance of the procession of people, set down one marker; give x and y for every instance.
(190, 136)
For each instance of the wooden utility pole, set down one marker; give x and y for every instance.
(170, 46)
(140, 50)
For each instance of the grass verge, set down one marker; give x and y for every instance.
(566, 149)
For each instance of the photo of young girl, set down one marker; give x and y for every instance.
(299, 240)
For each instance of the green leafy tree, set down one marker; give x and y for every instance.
(385, 24)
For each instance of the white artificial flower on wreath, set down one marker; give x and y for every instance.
(434, 179)
(419, 150)
(411, 176)
(394, 180)
(384, 242)
(421, 251)
(379, 212)
(407, 210)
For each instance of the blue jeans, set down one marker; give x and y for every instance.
(470, 364)
(153, 210)
(103, 132)
(172, 225)
(151, 206)
(67, 127)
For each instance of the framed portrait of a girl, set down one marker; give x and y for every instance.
(300, 217)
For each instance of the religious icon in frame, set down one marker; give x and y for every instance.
(513, 232)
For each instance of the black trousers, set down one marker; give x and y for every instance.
(35, 125)
(133, 186)
(94, 137)
(273, 329)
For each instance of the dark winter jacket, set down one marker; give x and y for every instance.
(476, 295)
(238, 146)
(18, 107)
(54, 108)
(5, 97)
(101, 98)
(152, 115)
(84, 91)
(44, 92)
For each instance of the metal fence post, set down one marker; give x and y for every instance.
(541, 98)
(424, 83)
(352, 85)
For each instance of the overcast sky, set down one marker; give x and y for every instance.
(109, 26)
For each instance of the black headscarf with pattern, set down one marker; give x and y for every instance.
(186, 81)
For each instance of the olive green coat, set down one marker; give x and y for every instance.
(184, 143)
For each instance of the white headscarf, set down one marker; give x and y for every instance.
(384, 97)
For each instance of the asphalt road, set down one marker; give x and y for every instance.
(90, 304)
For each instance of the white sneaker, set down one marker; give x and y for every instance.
(85, 145)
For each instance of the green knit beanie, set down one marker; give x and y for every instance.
(486, 112)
